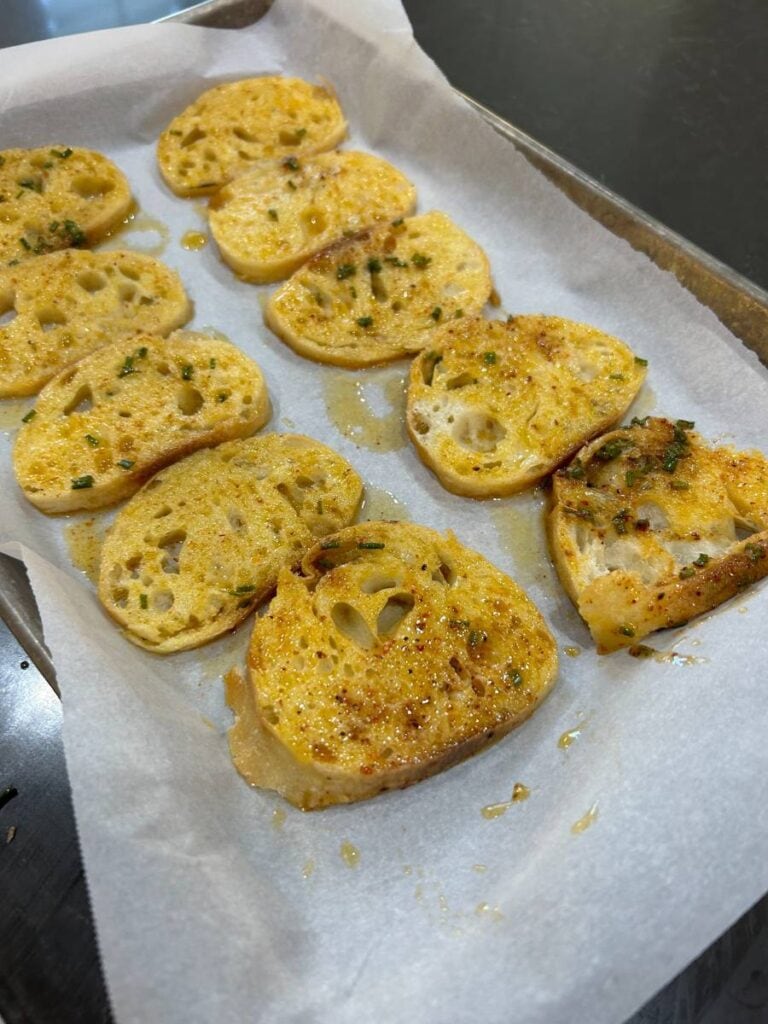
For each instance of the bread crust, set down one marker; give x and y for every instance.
(407, 651)
(68, 304)
(382, 295)
(201, 544)
(267, 223)
(238, 126)
(57, 197)
(103, 426)
(493, 407)
(643, 526)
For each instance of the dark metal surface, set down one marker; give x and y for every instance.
(50, 969)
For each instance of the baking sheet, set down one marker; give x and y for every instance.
(208, 903)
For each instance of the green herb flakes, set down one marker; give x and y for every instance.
(92, 441)
(627, 630)
(143, 602)
(489, 358)
(187, 372)
(418, 259)
(374, 265)
(81, 483)
(370, 545)
(345, 270)
(126, 463)
(686, 572)
(364, 321)
(436, 313)
(477, 637)
(640, 362)
(30, 416)
(291, 163)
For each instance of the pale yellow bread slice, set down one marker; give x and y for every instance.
(106, 424)
(495, 406)
(267, 223)
(397, 653)
(239, 126)
(67, 304)
(56, 197)
(202, 542)
(381, 295)
(644, 528)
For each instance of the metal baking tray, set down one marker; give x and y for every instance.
(738, 303)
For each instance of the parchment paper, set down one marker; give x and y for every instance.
(207, 907)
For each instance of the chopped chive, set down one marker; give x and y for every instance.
(620, 521)
(30, 416)
(641, 362)
(33, 184)
(397, 223)
(637, 421)
(458, 623)
(63, 154)
(458, 314)
(477, 636)
(612, 449)
(418, 259)
(80, 483)
(291, 184)
(370, 545)
(291, 162)
(395, 261)
(685, 424)
(143, 601)
(142, 353)
(320, 508)
(126, 463)
(326, 545)
(345, 270)
(436, 313)
(575, 471)
(627, 630)
(324, 563)
(701, 559)
(92, 441)
(244, 588)
(755, 552)
(222, 396)
(272, 214)
(679, 485)
(616, 376)
(364, 321)
(187, 372)
(686, 572)
(513, 675)
(580, 513)
(353, 291)
(75, 234)
(300, 133)
(127, 367)
(26, 244)
(489, 358)
(374, 265)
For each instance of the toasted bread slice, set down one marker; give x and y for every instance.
(70, 303)
(106, 424)
(381, 295)
(266, 224)
(235, 127)
(56, 197)
(398, 653)
(202, 542)
(643, 528)
(493, 406)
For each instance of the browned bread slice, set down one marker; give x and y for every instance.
(55, 197)
(644, 528)
(237, 126)
(267, 223)
(70, 303)
(193, 552)
(381, 295)
(397, 653)
(106, 424)
(494, 406)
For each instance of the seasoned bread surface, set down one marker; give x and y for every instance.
(104, 425)
(56, 197)
(381, 295)
(644, 528)
(267, 223)
(69, 303)
(202, 542)
(235, 127)
(494, 406)
(397, 653)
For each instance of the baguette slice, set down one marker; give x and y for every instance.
(643, 528)
(55, 197)
(196, 549)
(380, 296)
(105, 425)
(396, 654)
(237, 126)
(70, 303)
(494, 407)
(266, 224)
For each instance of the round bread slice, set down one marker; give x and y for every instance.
(67, 304)
(381, 295)
(645, 528)
(396, 654)
(106, 424)
(56, 197)
(237, 126)
(202, 543)
(495, 406)
(267, 223)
